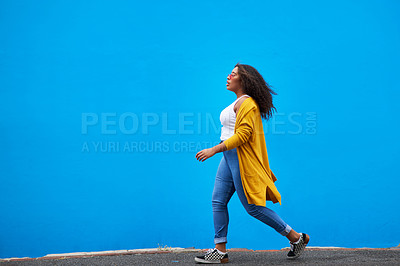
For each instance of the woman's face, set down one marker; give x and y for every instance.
(233, 82)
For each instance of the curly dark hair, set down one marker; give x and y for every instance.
(254, 85)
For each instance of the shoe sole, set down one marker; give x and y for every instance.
(198, 260)
(294, 257)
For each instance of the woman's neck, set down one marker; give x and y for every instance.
(239, 94)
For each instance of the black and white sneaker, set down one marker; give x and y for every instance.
(212, 256)
(297, 248)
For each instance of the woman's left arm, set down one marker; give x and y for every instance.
(207, 153)
(243, 133)
(244, 130)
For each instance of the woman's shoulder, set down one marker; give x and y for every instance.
(243, 101)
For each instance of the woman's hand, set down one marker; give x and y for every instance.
(202, 155)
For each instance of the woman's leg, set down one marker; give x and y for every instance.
(261, 213)
(293, 236)
(222, 193)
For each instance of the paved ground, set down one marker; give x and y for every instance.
(186, 257)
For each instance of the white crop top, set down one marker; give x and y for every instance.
(228, 120)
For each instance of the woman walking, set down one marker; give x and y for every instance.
(244, 167)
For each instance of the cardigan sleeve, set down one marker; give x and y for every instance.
(244, 129)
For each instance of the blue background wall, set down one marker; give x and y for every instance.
(160, 67)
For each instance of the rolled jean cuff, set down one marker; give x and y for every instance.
(220, 240)
(286, 231)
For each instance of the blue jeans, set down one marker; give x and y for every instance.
(227, 181)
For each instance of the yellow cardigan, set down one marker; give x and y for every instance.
(257, 178)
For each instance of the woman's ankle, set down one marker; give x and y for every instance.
(293, 236)
(221, 247)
